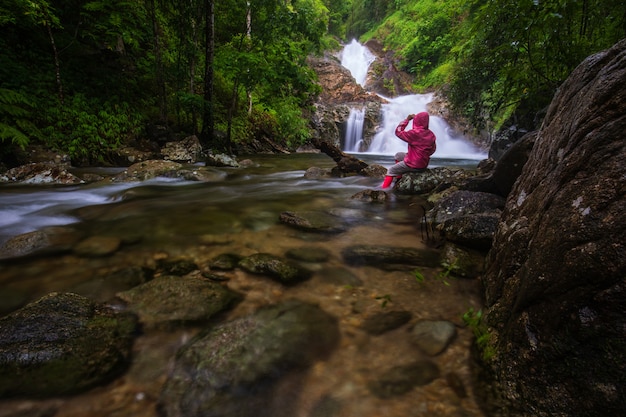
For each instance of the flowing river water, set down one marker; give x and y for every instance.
(238, 213)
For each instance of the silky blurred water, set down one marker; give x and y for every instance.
(174, 219)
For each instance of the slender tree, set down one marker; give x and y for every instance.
(208, 120)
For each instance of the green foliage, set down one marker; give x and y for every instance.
(516, 54)
(474, 320)
(15, 118)
(443, 276)
(88, 130)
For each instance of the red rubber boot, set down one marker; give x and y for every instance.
(387, 181)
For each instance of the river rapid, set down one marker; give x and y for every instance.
(172, 219)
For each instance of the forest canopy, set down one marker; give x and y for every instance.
(84, 77)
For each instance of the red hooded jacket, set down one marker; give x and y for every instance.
(421, 141)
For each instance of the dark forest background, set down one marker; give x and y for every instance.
(85, 77)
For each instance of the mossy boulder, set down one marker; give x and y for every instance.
(62, 344)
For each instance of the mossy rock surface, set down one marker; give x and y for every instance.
(62, 344)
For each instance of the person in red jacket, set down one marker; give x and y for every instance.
(422, 144)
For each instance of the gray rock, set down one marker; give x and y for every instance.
(146, 170)
(169, 301)
(403, 378)
(433, 337)
(221, 160)
(225, 261)
(475, 231)
(62, 344)
(371, 196)
(390, 257)
(461, 261)
(38, 173)
(384, 321)
(187, 150)
(555, 282)
(275, 267)
(462, 203)
(313, 221)
(427, 181)
(233, 369)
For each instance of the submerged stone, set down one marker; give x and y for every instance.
(234, 369)
(171, 300)
(277, 268)
(62, 344)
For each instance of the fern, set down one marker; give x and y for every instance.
(14, 113)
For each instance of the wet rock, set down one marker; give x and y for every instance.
(177, 267)
(555, 280)
(433, 337)
(221, 160)
(275, 267)
(98, 246)
(374, 171)
(308, 254)
(234, 369)
(462, 262)
(146, 170)
(371, 196)
(403, 378)
(187, 150)
(24, 244)
(38, 173)
(384, 321)
(468, 217)
(62, 344)
(500, 179)
(313, 221)
(225, 261)
(462, 203)
(315, 173)
(105, 288)
(475, 231)
(170, 300)
(53, 239)
(202, 174)
(339, 276)
(390, 256)
(427, 181)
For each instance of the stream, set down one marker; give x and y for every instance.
(174, 219)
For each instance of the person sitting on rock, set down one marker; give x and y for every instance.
(422, 144)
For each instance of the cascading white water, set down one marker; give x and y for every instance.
(385, 142)
(354, 130)
(357, 59)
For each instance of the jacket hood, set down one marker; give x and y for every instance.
(421, 120)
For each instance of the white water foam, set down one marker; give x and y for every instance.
(357, 58)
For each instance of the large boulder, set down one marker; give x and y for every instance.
(236, 369)
(556, 275)
(62, 344)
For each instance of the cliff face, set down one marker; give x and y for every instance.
(555, 285)
(340, 93)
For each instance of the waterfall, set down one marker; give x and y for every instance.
(354, 130)
(357, 58)
(449, 143)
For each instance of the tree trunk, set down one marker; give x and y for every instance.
(57, 65)
(158, 64)
(208, 120)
